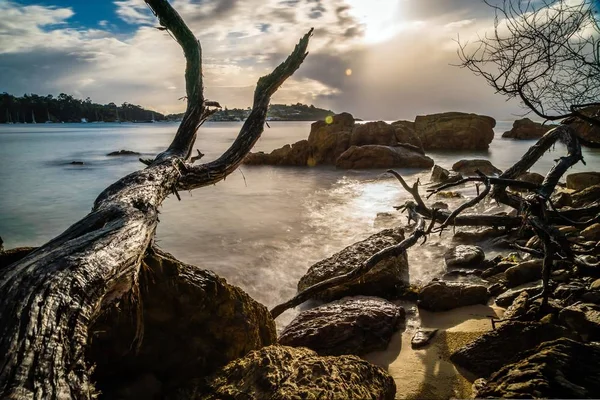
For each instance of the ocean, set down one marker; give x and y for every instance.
(260, 229)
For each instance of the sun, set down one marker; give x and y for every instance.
(381, 19)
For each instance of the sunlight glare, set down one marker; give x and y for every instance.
(381, 18)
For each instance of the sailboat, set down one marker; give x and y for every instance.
(33, 118)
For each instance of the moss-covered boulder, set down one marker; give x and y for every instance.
(353, 325)
(559, 369)
(387, 279)
(184, 323)
(280, 372)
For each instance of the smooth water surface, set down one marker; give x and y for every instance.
(260, 229)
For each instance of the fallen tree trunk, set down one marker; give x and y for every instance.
(52, 296)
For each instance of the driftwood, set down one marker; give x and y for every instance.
(534, 210)
(52, 296)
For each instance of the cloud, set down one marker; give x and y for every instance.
(397, 77)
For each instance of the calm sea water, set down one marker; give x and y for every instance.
(260, 229)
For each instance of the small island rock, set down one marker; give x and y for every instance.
(525, 129)
(377, 156)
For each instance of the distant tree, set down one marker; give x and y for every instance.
(544, 53)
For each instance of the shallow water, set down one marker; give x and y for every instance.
(260, 229)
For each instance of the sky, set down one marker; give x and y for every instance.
(378, 59)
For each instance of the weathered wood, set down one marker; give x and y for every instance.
(51, 297)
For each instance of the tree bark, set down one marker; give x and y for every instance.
(52, 296)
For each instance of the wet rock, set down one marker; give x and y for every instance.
(387, 279)
(378, 132)
(526, 129)
(518, 308)
(583, 180)
(406, 133)
(295, 155)
(499, 268)
(329, 139)
(569, 290)
(562, 199)
(531, 177)
(215, 321)
(496, 348)
(469, 167)
(583, 319)
(440, 205)
(506, 298)
(353, 325)
(496, 289)
(559, 369)
(460, 273)
(524, 272)
(464, 256)
(280, 372)
(586, 196)
(422, 337)
(584, 129)
(449, 195)
(595, 285)
(561, 275)
(377, 156)
(592, 232)
(439, 174)
(384, 219)
(477, 236)
(123, 153)
(77, 163)
(455, 131)
(592, 296)
(443, 296)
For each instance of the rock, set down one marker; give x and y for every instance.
(443, 296)
(77, 163)
(385, 218)
(561, 199)
(506, 298)
(494, 349)
(592, 232)
(559, 369)
(353, 325)
(376, 156)
(460, 273)
(526, 129)
(570, 290)
(583, 319)
(477, 236)
(10, 256)
(449, 195)
(378, 132)
(280, 372)
(440, 205)
(499, 268)
(455, 131)
(468, 167)
(123, 153)
(585, 196)
(583, 180)
(387, 279)
(595, 285)
(405, 133)
(329, 139)
(464, 256)
(496, 289)
(439, 174)
(179, 303)
(295, 155)
(518, 308)
(422, 337)
(531, 177)
(584, 129)
(524, 272)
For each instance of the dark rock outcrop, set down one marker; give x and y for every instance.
(468, 167)
(585, 196)
(527, 271)
(455, 131)
(443, 296)
(559, 369)
(584, 129)
(10, 256)
(497, 348)
(123, 153)
(353, 325)
(406, 133)
(280, 372)
(464, 256)
(377, 156)
(583, 319)
(295, 155)
(327, 141)
(583, 180)
(387, 279)
(439, 174)
(506, 298)
(526, 129)
(422, 337)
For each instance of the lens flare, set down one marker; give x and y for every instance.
(348, 72)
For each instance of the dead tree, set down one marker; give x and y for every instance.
(544, 53)
(51, 296)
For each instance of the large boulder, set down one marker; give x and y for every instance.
(505, 299)
(469, 167)
(387, 279)
(295, 155)
(583, 319)
(464, 256)
(583, 180)
(455, 131)
(329, 139)
(526, 129)
(584, 129)
(586, 196)
(439, 174)
(496, 348)
(558, 369)
(378, 132)
(353, 325)
(280, 372)
(184, 323)
(377, 156)
(443, 296)
(406, 133)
